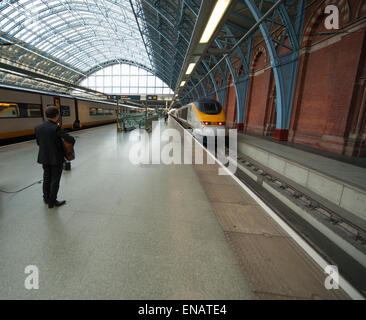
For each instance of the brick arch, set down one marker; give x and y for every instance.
(318, 14)
(257, 53)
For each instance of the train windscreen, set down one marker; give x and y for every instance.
(210, 107)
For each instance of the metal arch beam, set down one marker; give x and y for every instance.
(158, 11)
(167, 31)
(236, 27)
(149, 18)
(163, 15)
(240, 86)
(201, 84)
(142, 37)
(35, 75)
(212, 78)
(243, 18)
(284, 70)
(245, 37)
(240, 52)
(240, 107)
(196, 51)
(43, 56)
(293, 37)
(161, 33)
(158, 56)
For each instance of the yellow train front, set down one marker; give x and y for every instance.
(205, 117)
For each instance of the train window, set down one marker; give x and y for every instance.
(8, 110)
(100, 111)
(20, 110)
(93, 111)
(65, 111)
(34, 111)
(108, 112)
(210, 107)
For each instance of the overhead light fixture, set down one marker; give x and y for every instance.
(182, 83)
(216, 16)
(190, 68)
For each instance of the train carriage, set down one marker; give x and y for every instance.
(205, 117)
(21, 111)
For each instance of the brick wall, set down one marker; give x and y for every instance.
(328, 109)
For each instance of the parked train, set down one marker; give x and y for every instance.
(22, 110)
(204, 117)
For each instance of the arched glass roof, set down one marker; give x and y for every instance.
(67, 40)
(80, 33)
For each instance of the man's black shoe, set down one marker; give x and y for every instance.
(56, 204)
(45, 201)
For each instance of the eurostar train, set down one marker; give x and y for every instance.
(22, 110)
(203, 116)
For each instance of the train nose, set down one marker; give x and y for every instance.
(211, 131)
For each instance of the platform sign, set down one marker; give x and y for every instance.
(149, 97)
(128, 97)
(123, 97)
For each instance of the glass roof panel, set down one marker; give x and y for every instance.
(83, 33)
(125, 79)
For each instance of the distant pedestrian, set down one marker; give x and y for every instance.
(166, 116)
(51, 155)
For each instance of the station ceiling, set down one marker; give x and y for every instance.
(54, 44)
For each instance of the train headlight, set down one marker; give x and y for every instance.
(221, 123)
(206, 123)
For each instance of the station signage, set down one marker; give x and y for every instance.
(123, 97)
(149, 97)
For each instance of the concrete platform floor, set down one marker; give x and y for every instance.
(143, 232)
(127, 232)
(351, 174)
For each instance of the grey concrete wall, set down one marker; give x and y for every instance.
(338, 192)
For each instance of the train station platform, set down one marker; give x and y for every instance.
(339, 183)
(143, 232)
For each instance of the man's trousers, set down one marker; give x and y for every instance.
(51, 182)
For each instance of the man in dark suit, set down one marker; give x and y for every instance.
(51, 155)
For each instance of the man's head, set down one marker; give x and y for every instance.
(52, 113)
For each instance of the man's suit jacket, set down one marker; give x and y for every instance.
(49, 135)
